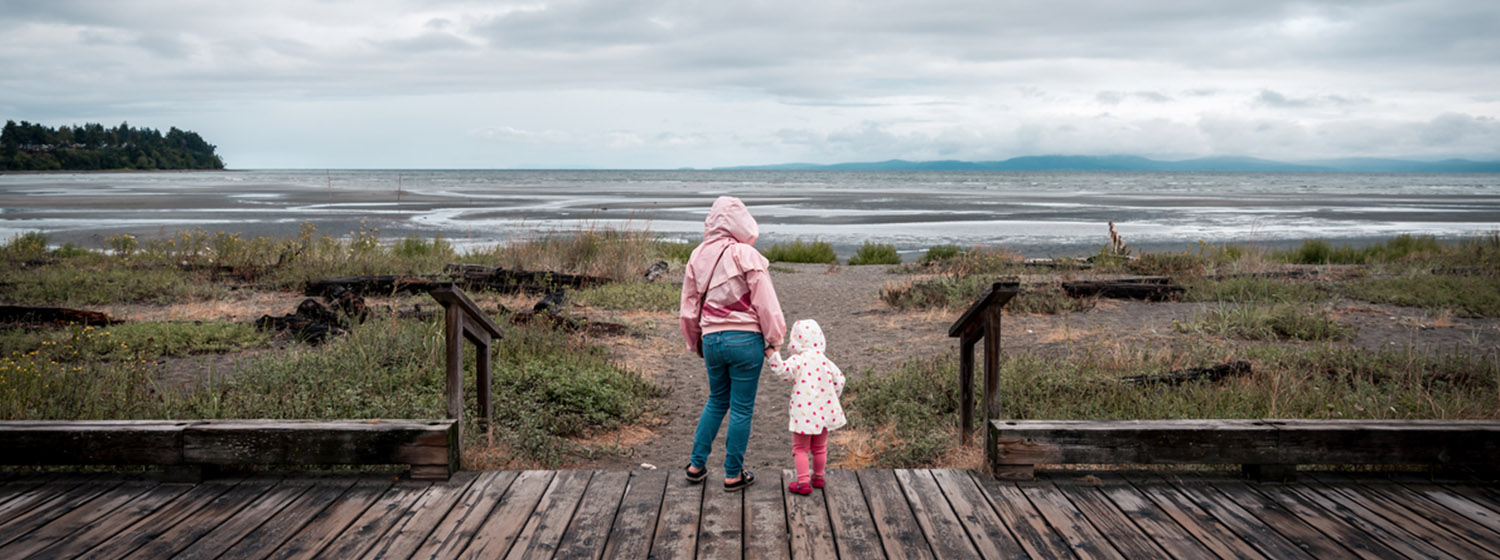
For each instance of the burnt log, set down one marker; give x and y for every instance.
(656, 270)
(50, 317)
(551, 304)
(568, 324)
(387, 284)
(1148, 288)
(508, 281)
(1211, 374)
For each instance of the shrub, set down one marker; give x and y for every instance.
(800, 251)
(941, 253)
(875, 253)
(29, 245)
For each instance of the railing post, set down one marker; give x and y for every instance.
(981, 321)
(464, 320)
(965, 390)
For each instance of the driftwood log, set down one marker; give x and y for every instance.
(50, 317)
(1214, 373)
(1149, 288)
(386, 284)
(495, 279)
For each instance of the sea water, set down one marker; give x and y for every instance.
(1035, 213)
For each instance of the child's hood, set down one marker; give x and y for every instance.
(806, 336)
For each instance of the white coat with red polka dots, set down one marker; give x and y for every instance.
(816, 381)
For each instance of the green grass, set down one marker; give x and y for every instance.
(800, 251)
(88, 281)
(674, 251)
(960, 292)
(1246, 289)
(875, 253)
(940, 253)
(1278, 322)
(631, 296)
(1469, 296)
(909, 413)
(135, 340)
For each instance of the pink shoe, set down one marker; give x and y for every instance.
(817, 481)
(799, 488)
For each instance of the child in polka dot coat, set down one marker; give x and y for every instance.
(814, 406)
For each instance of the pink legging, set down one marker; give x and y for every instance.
(802, 444)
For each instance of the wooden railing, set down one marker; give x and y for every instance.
(464, 320)
(981, 321)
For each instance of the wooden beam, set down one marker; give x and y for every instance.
(91, 442)
(965, 391)
(449, 295)
(998, 294)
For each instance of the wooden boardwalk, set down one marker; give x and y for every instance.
(640, 514)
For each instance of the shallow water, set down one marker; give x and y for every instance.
(1037, 213)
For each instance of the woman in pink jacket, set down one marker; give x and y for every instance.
(730, 317)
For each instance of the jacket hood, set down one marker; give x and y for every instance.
(729, 219)
(806, 336)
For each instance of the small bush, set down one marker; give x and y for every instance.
(875, 253)
(946, 291)
(800, 251)
(941, 253)
(29, 245)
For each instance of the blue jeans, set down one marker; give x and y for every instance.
(733, 360)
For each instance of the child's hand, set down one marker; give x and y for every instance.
(772, 350)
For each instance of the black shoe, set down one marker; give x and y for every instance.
(695, 478)
(746, 478)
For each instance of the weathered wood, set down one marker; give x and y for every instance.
(965, 392)
(1083, 539)
(544, 529)
(630, 537)
(986, 530)
(268, 506)
(1177, 377)
(377, 284)
(944, 534)
(464, 520)
(721, 527)
(327, 523)
(1243, 523)
(1380, 529)
(1399, 520)
(1453, 522)
(450, 296)
(765, 518)
(498, 534)
(1119, 528)
(115, 521)
(1327, 522)
(1195, 520)
(424, 443)
(1272, 515)
(203, 521)
(58, 506)
(585, 537)
(51, 317)
(677, 528)
(496, 279)
(24, 502)
(1389, 442)
(973, 318)
(1163, 530)
(142, 530)
(1017, 512)
(418, 521)
(91, 442)
(80, 517)
(1151, 288)
(376, 520)
(1479, 514)
(991, 401)
(809, 531)
(853, 528)
(900, 534)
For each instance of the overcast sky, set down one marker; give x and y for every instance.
(665, 84)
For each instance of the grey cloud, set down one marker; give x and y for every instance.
(1117, 97)
(1270, 98)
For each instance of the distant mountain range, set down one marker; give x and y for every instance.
(1136, 163)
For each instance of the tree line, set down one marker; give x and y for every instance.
(28, 146)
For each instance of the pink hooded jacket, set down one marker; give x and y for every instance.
(739, 292)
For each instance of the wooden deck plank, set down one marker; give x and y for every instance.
(1329, 523)
(945, 535)
(418, 522)
(1174, 539)
(1416, 524)
(375, 520)
(1197, 521)
(809, 531)
(1287, 524)
(853, 528)
(139, 531)
(17, 484)
(585, 536)
(1458, 524)
(498, 533)
(545, 527)
(245, 521)
(328, 524)
(1085, 541)
(39, 495)
(635, 523)
(765, 518)
(46, 512)
(111, 523)
(677, 528)
(277, 530)
(1352, 511)
(1237, 519)
(203, 521)
(900, 533)
(1129, 539)
(77, 521)
(1030, 528)
(721, 527)
(463, 521)
(987, 532)
(1476, 512)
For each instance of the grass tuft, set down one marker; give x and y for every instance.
(875, 253)
(800, 251)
